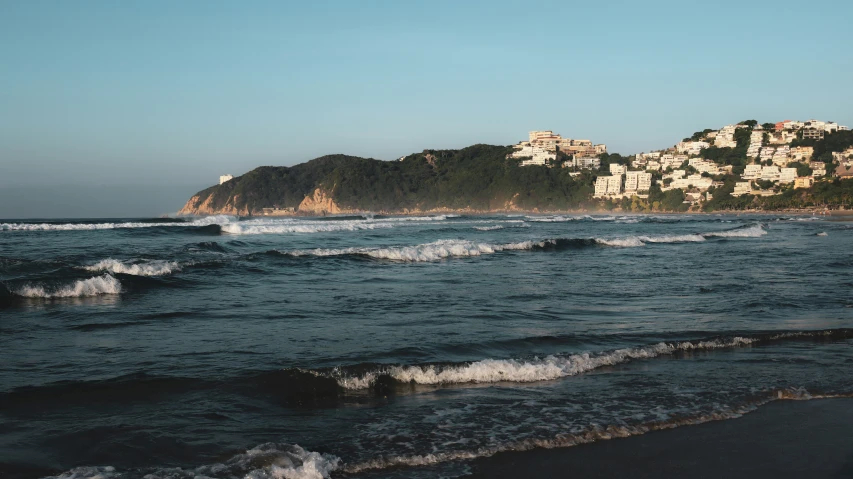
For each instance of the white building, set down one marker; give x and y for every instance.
(781, 156)
(534, 155)
(742, 188)
(588, 162)
(617, 169)
(756, 139)
(224, 178)
(787, 175)
(637, 181)
(692, 147)
(726, 137)
(608, 186)
(818, 168)
(614, 185)
(653, 165)
(770, 173)
(705, 166)
(752, 172)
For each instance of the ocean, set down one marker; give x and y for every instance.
(401, 347)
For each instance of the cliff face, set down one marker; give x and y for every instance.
(197, 206)
(320, 202)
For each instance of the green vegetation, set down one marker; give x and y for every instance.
(699, 135)
(481, 177)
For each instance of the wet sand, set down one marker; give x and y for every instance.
(784, 439)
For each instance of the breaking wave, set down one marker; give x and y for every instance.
(634, 241)
(425, 252)
(96, 286)
(529, 370)
(452, 248)
(150, 268)
(553, 366)
(92, 226)
(266, 461)
(753, 231)
(306, 227)
(291, 461)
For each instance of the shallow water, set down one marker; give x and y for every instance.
(401, 347)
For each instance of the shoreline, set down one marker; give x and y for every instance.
(791, 438)
(798, 212)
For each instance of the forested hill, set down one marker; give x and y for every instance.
(477, 178)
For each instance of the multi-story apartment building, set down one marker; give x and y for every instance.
(770, 173)
(802, 153)
(637, 181)
(751, 172)
(780, 157)
(742, 188)
(803, 182)
(550, 142)
(534, 155)
(787, 175)
(608, 186)
(755, 143)
(617, 169)
(586, 162)
(813, 133)
(693, 148)
(818, 168)
(726, 137)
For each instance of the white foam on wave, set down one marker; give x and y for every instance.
(302, 227)
(434, 251)
(149, 268)
(88, 472)
(530, 370)
(96, 286)
(266, 461)
(754, 231)
(635, 241)
(822, 233)
(488, 228)
(590, 434)
(554, 219)
(630, 242)
(206, 221)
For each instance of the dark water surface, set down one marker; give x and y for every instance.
(400, 347)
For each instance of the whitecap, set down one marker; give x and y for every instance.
(150, 268)
(529, 370)
(98, 285)
(754, 231)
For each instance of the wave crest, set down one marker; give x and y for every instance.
(96, 286)
(151, 268)
(753, 231)
(532, 370)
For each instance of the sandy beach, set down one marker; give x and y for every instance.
(780, 440)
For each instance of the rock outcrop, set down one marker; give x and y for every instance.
(196, 207)
(319, 203)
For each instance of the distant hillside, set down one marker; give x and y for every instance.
(481, 178)
(477, 178)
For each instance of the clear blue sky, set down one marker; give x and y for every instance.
(165, 94)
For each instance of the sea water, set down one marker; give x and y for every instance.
(401, 346)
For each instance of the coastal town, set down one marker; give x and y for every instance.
(766, 160)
